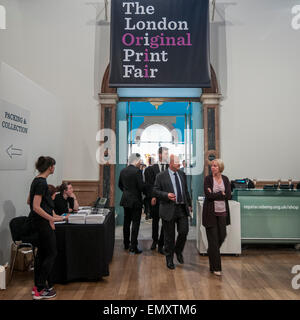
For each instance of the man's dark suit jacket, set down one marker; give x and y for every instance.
(163, 186)
(132, 185)
(150, 174)
(208, 215)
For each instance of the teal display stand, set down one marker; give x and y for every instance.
(269, 216)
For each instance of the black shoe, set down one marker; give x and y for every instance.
(180, 258)
(154, 244)
(161, 250)
(170, 263)
(148, 216)
(135, 250)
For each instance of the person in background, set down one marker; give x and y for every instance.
(65, 201)
(150, 175)
(174, 209)
(52, 191)
(183, 166)
(42, 219)
(132, 186)
(147, 200)
(142, 168)
(216, 213)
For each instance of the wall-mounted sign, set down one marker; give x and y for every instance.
(160, 43)
(14, 133)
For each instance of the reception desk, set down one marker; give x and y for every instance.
(269, 216)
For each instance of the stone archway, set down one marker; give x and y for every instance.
(149, 121)
(210, 99)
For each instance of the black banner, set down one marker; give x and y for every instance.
(160, 43)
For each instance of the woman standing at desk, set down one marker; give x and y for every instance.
(43, 218)
(216, 215)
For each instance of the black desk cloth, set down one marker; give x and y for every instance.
(84, 251)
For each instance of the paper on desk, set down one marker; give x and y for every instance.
(59, 222)
(85, 211)
(95, 219)
(77, 218)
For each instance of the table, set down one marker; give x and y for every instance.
(84, 251)
(232, 243)
(269, 216)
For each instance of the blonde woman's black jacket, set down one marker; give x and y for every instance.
(208, 215)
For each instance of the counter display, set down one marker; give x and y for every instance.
(269, 216)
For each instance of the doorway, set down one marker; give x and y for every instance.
(144, 126)
(205, 129)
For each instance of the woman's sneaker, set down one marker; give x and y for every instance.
(34, 289)
(44, 294)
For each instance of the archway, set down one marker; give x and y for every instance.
(210, 99)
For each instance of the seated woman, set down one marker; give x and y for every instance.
(65, 201)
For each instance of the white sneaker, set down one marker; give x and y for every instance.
(218, 273)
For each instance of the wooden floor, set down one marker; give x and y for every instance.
(256, 274)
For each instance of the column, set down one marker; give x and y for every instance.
(211, 105)
(108, 104)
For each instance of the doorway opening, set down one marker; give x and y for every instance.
(116, 107)
(151, 126)
(144, 126)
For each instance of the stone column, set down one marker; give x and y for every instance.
(211, 106)
(108, 104)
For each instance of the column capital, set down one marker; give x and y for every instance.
(108, 98)
(211, 98)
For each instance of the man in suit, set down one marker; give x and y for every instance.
(175, 206)
(150, 175)
(183, 168)
(132, 186)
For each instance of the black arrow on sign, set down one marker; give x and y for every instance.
(11, 151)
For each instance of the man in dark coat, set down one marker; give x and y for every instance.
(150, 175)
(132, 185)
(174, 208)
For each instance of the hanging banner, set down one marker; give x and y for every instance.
(160, 43)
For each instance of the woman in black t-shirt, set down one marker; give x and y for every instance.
(43, 218)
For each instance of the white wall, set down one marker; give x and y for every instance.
(45, 132)
(54, 43)
(256, 55)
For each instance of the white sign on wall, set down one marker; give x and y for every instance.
(14, 134)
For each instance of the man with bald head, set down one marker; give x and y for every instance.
(174, 208)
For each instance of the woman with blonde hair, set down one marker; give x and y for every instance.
(216, 215)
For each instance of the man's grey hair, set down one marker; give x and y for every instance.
(134, 158)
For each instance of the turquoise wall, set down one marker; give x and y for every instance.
(159, 92)
(198, 163)
(121, 134)
(141, 109)
(145, 108)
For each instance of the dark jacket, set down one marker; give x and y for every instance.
(150, 175)
(208, 215)
(132, 185)
(163, 186)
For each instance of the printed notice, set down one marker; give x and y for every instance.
(14, 131)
